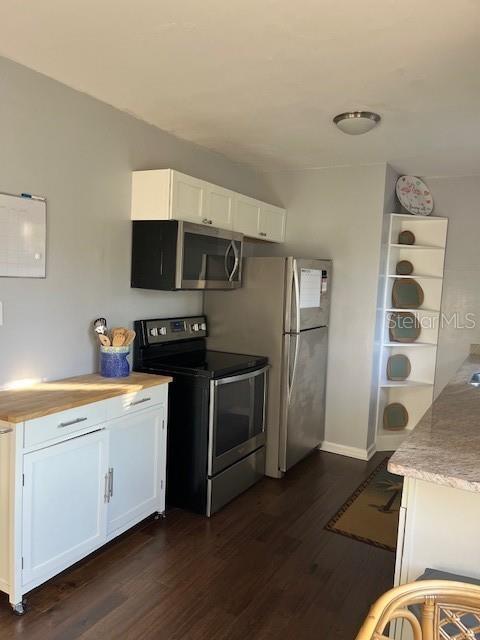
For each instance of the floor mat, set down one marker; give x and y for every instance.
(371, 513)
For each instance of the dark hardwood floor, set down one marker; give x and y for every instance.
(263, 568)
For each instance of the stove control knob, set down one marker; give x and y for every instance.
(162, 331)
(203, 326)
(154, 332)
(195, 327)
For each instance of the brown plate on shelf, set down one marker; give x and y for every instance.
(407, 294)
(398, 367)
(395, 417)
(406, 237)
(404, 268)
(403, 326)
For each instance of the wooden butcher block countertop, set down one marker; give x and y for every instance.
(45, 398)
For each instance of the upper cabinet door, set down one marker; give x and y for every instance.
(219, 207)
(188, 199)
(246, 217)
(272, 223)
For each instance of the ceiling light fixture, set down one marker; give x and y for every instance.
(356, 122)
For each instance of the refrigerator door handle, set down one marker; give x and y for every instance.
(296, 296)
(291, 378)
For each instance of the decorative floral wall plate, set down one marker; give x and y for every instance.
(414, 195)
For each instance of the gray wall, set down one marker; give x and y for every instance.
(459, 200)
(337, 213)
(79, 153)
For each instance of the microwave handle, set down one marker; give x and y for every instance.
(231, 246)
(237, 260)
(227, 253)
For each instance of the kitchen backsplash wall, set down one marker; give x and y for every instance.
(458, 199)
(79, 153)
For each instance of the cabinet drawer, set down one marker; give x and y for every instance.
(63, 423)
(131, 402)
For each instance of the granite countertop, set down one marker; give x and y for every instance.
(45, 398)
(444, 448)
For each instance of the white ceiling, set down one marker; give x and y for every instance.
(260, 80)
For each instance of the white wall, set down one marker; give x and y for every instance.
(459, 200)
(337, 214)
(79, 153)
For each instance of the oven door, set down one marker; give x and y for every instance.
(208, 258)
(237, 418)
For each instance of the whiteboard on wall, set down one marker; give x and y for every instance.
(23, 231)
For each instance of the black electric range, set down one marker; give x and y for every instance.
(216, 438)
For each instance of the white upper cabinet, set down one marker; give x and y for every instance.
(272, 223)
(247, 216)
(259, 220)
(165, 194)
(188, 198)
(219, 207)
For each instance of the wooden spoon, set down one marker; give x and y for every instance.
(104, 340)
(129, 337)
(118, 339)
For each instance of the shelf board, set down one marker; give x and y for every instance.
(417, 246)
(414, 276)
(404, 384)
(411, 216)
(427, 311)
(409, 344)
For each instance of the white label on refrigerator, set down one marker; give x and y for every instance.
(310, 288)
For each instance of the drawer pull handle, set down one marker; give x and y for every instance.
(62, 425)
(207, 221)
(4, 431)
(262, 233)
(135, 402)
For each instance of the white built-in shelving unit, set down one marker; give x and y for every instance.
(427, 256)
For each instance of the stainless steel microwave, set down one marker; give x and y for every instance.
(171, 254)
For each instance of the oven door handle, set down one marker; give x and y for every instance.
(242, 376)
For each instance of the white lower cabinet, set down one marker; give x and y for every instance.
(64, 515)
(136, 460)
(64, 496)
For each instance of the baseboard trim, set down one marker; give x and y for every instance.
(350, 452)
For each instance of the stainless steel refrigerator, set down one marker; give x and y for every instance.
(281, 312)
